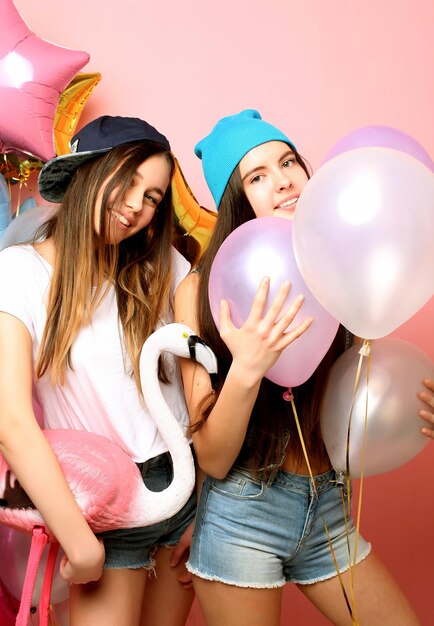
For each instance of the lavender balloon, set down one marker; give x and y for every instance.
(263, 247)
(381, 137)
(393, 424)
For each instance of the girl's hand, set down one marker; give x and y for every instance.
(180, 555)
(87, 569)
(428, 415)
(257, 345)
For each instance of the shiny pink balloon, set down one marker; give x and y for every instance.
(381, 137)
(33, 74)
(397, 369)
(363, 238)
(263, 247)
(14, 551)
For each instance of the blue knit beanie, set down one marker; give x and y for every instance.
(231, 139)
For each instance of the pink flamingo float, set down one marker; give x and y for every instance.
(105, 482)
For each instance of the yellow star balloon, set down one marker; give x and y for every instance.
(71, 102)
(194, 219)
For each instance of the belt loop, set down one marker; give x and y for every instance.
(271, 477)
(339, 478)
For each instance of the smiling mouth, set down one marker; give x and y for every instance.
(288, 204)
(123, 220)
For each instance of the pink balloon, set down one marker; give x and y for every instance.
(393, 424)
(33, 74)
(263, 247)
(14, 551)
(362, 236)
(381, 137)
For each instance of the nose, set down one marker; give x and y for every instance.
(283, 180)
(132, 206)
(133, 201)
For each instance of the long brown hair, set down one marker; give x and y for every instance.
(86, 266)
(271, 422)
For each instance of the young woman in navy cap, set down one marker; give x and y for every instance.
(76, 306)
(260, 523)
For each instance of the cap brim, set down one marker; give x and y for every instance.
(56, 175)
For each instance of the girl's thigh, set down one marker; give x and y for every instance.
(377, 597)
(167, 602)
(238, 606)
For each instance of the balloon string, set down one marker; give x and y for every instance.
(365, 432)
(364, 352)
(347, 509)
(351, 609)
(8, 180)
(17, 212)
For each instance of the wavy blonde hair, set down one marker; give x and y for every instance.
(85, 266)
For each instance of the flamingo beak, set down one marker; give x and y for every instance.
(202, 354)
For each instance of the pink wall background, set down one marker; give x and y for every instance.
(318, 70)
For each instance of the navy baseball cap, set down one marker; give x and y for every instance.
(94, 139)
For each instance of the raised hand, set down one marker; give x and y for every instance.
(257, 345)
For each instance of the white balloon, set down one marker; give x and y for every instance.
(363, 238)
(393, 425)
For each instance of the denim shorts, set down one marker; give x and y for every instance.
(251, 533)
(134, 547)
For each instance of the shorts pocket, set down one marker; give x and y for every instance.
(238, 486)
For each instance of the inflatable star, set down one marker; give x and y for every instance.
(33, 74)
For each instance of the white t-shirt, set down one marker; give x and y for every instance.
(99, 394)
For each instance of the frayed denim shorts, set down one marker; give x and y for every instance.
(251, 533)
(134, 547)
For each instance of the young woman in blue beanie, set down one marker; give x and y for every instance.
(76, 306)
(260, 523)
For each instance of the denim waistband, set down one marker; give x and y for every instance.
(301, 482)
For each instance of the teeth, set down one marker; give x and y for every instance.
(121, 218)
(288, 203)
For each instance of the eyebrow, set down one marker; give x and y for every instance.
(261, 167)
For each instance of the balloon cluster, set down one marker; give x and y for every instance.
(42, 94)
(362, 233)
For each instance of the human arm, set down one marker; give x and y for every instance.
(34, 463)
(428, 413)
(255, 347)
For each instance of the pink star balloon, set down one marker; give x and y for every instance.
(33, 74)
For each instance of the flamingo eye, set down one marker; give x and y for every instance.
(185, 334)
